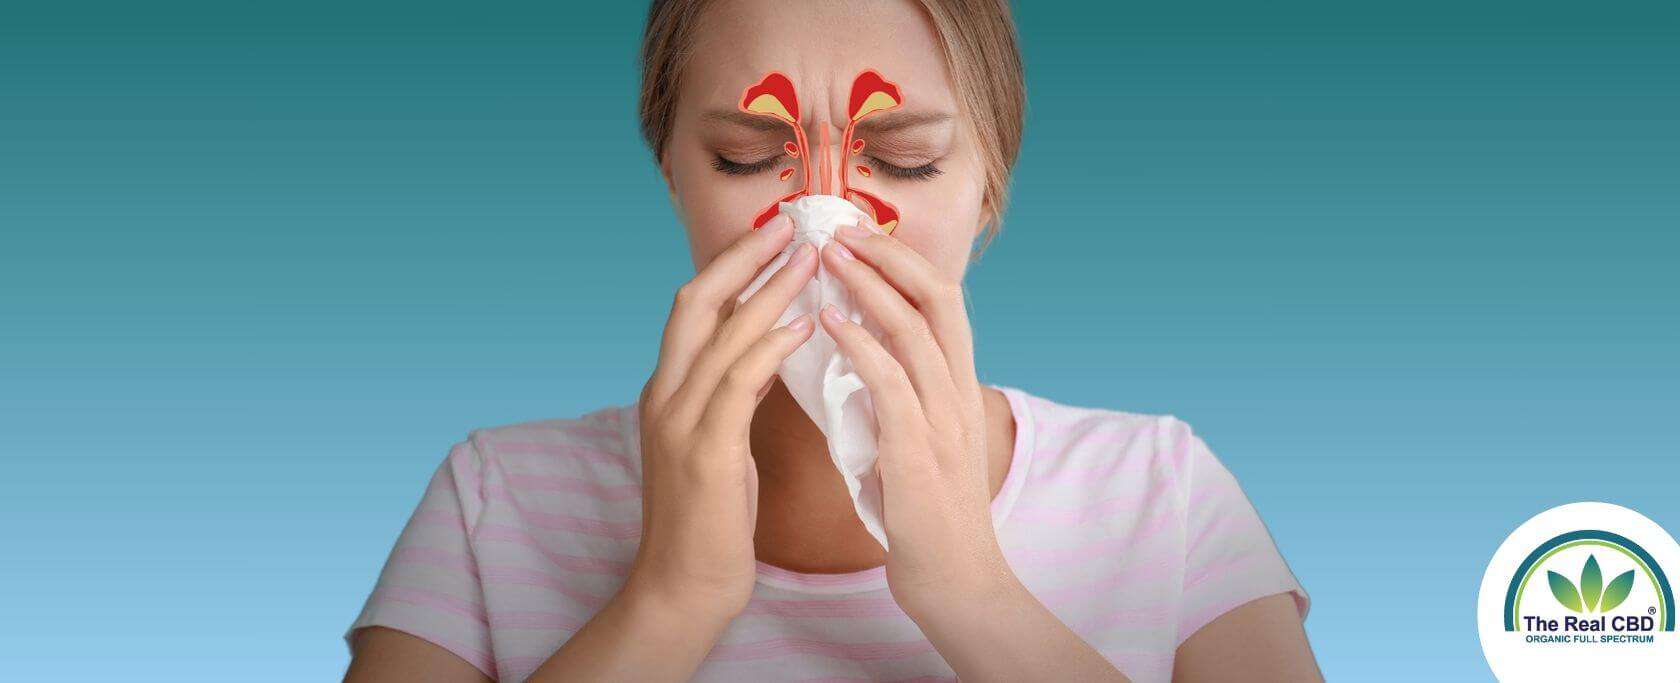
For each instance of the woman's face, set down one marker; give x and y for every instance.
(722, 166)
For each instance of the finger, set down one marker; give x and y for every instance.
(738, 394)
(748, 323)
(907, 333)
(938, 298)
(898, 413)
(699, 304)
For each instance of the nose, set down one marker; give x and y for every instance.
(826, 169)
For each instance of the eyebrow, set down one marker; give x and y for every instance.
(883, 122)
(888, 121)
(745, 120)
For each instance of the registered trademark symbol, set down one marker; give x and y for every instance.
(1650, 610)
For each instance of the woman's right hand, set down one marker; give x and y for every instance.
(699, 482)
(695, 568)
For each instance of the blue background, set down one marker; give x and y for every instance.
(1411, 270)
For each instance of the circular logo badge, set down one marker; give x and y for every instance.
(1581, 592)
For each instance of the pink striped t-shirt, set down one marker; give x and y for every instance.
(1126, 526)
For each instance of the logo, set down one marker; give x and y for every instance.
(1580, 590)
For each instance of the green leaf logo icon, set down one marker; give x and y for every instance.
(1592, 583)
(1564, 591)
(1593, 594)
(1617, 591)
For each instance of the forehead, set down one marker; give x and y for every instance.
(821, 46)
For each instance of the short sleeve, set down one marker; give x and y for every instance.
(1230, 557)
(430, 586)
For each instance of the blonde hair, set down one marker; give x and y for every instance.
(981, 53)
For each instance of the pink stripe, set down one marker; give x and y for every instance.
(436, 557)
(1233, 528)
(859, 608)
(1151, 619)
(542, 482)
(429, 598)
(1095, 512)
(1176, 452)
(1096, 459)
(1084, 425)
(1202, 494)
(513, 576)
(1196, 576)
(1162, 522)
(466, 467)
(440, 517)
(535, 620)
(1137, 570)
(560, 521)
(781, 647)
(577, 563)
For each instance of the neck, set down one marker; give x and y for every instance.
(805, 518)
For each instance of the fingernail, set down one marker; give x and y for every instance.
(832, 314)
(851, 231)
(843, 251)
(803, 253)
(801, 323)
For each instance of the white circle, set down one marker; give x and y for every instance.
(1571, 655)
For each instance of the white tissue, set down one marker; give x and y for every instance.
(818, 375)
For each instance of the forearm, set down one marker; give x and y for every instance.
(637, 636)
(1009, 635)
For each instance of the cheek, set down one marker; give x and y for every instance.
(714, 208)
(941, 222)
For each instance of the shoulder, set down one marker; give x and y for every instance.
(1094, 447)
(1148, 486)
(601, 441)
(590, 460)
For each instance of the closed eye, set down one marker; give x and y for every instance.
(927, 171)
(745, 168)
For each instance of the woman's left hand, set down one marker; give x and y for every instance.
(944, 566)
(931, 419)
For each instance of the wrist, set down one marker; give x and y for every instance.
(973, 597)
(654, 599)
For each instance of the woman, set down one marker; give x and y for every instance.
(703, 531)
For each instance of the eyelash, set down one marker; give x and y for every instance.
(926, 171)
(737, 168)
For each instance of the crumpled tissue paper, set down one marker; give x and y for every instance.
(818, 375)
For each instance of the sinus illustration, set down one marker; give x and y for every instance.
(774, 96)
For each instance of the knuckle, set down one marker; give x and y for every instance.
(725, 337)
(735, 381)
(687, 295)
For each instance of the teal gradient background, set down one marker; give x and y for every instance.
(1412, 270)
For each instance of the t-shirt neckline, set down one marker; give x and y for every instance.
(875, 578)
